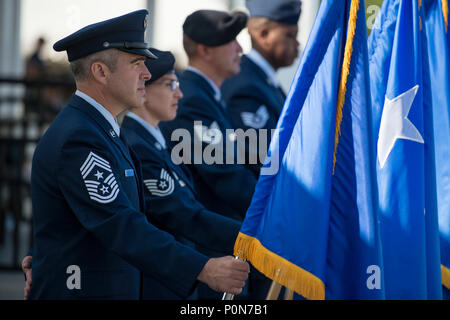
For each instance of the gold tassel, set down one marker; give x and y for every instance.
(445, 13)
(278, 268)
(344, 73)
(445, 274)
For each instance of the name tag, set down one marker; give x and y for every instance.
(129, 173)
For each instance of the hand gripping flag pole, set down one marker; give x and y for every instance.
(230, 296)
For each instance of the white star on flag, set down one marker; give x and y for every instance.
(396, 125)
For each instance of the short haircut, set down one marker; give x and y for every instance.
(81, 67)
(190, 46)
(254, 24)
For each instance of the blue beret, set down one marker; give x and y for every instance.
(160, 66)
(285, 11)
(125, 33)
(214, 28)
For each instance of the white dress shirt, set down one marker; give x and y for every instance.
(217, 93)
(105, 113)
(259, 60)
(154, 131)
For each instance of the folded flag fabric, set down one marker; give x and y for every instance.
(402, 107)
(436, 25)
(312, 226)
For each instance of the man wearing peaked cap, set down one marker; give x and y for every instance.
(92, 239)
(254, 97)
(224, 186)
(125, 33)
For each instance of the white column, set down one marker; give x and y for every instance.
(149, 34)
(236, 4)
(11, 60)
(306, 21)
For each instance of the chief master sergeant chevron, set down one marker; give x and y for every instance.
(85, 184)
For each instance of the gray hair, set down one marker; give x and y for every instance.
(81, 67)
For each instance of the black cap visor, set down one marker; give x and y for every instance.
(139, 48)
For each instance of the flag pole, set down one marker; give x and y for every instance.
(274, 291)
(288, 294)
(230, 296)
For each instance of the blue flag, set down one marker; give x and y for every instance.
(312, 225)
(436, 23)
(403, 129)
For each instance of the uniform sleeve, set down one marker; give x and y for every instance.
(249, 111)
(232, 182)
(172, 206)
(247, 106)
(91, 184)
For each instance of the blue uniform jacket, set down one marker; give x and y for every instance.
(247, 92)
(251, 100)
(171, 202)
(88, 213)
(223, 188)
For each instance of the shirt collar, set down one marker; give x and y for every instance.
(105, 113)
(154, 131)
(259, 60)
(217, 94)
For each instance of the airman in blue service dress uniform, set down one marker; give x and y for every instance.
(91, 237)
(254, 97)
(169, 193)
(209, 40)
(214, 55)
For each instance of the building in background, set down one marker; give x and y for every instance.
(165, 23)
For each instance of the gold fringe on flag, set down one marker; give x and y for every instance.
(445, 275)
(279, 269)
(344, 73)
(445, 13)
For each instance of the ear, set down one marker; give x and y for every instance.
(204, 51)
(263, 33)
(100, 72)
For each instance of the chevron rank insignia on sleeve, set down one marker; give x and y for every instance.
(99, 179)
(256, 120)
(161, 187)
